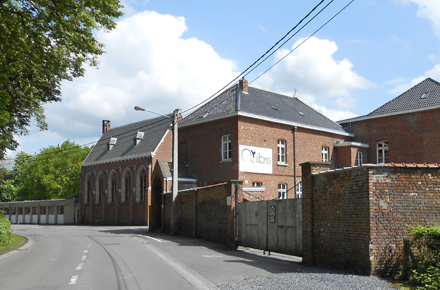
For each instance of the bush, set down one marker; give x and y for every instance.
(5, 230)
(426, 272)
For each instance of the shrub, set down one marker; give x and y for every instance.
(5, 230)
(426, 272)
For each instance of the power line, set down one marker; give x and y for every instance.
(255, 62)
(322, 26)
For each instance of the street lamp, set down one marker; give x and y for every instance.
(174, 220)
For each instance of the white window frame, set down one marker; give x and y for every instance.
(282, 190)
(282, 153)
(325, 154)
(226, 147)
(299, 191)
(359, 158)
(382, 148)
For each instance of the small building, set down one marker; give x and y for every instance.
(44, 212)
(404, 130)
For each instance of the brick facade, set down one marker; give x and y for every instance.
(204, 152)
(356, 219)
(413, 137)
(133, 211)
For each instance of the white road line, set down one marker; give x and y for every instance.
(73, 280)
(86, 251)
(157, 240)
(79, 267)
(83, 258)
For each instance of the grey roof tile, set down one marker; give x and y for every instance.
(412, 99)
(264, 104)
(154, 130)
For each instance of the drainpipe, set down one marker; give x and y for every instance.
(294, 158)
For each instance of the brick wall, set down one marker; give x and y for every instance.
(413, 137)
(355, 219)
(204, 213)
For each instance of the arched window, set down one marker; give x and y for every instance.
(142, 184)
(126, 186)
(112, 195)
(100, 188)
(88, 189)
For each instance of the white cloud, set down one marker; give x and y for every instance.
(334, 115)
(312, 70)
(429, 9)
(148, 63)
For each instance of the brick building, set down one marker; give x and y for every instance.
(117, 185)
(406, 129)
(259, 137)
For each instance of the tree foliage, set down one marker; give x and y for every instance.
(43, 42)
(52, 174)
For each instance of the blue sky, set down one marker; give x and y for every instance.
(173, 54)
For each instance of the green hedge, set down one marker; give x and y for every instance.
(5, 230)
(425, 272)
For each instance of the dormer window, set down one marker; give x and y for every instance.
(111, 143)
(425, 95)
(139, 136)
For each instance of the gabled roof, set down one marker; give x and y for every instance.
(264, 105)
(423, 96)
(124, 148)
(412, 99)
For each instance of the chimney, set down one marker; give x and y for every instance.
(244, 85)
(105, 126)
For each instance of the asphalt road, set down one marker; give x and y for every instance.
(88, 257)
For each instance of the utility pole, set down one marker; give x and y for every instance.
(174, 213)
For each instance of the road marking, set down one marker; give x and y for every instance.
(86, 251)
(79, 267)
(157, 240)
(83, 258)
(73, 280)
(211, 256)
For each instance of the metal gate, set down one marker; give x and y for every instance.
(271, 225)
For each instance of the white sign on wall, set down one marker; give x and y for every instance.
(255, 159)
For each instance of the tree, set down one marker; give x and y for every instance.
(52, 174)
(43, 42)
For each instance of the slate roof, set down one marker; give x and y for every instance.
(154, 131)
(412, 99)
(266, 105)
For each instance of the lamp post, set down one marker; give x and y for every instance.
(175, 176)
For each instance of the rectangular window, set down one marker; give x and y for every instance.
(382, 152)
(12, 210)
(257, 184)
(325, 154)
(299, 190)
(60, 209)
(226, 147)
(34, 210)
(282, 191)
(51, 210)
(6, 210)
(359, 158)
(282, 152)
(27, 210)
(42, 210)
(19, 210)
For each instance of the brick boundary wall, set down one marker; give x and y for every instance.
(355, 219)
(205, 213)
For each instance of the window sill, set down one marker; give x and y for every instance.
(282, 164)
(226, 161)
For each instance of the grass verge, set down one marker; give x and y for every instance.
(16, 242)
